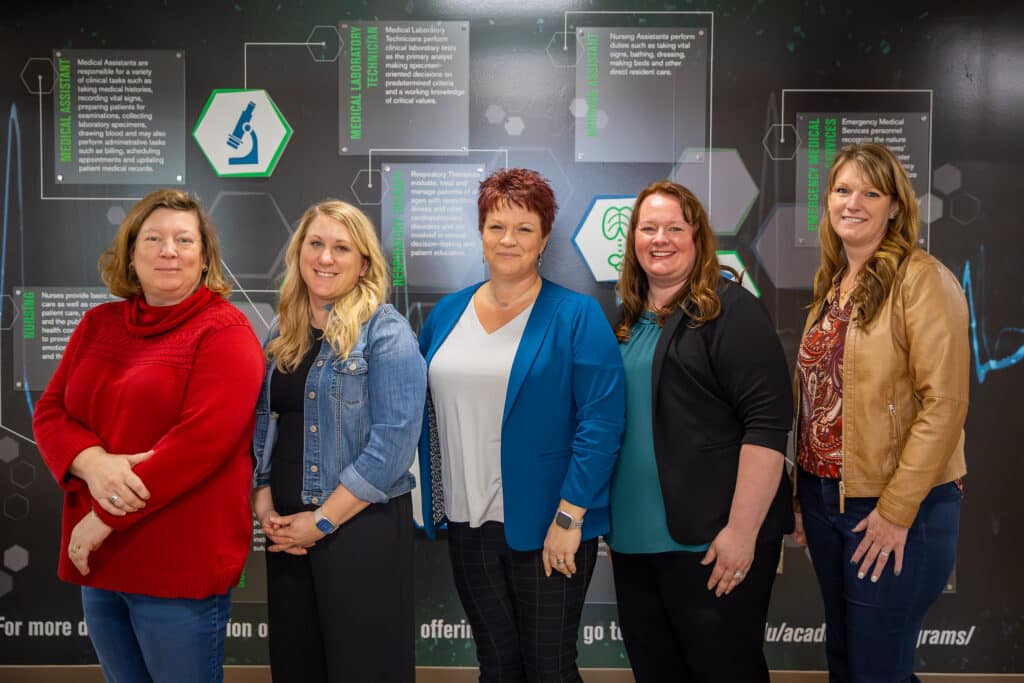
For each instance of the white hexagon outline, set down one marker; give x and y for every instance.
(796, 138)
(576, 44)
(384, 187)
(15, 312)
(27, 507)
(280, 254)
(310, 43)
(22, 465)
(21, 76)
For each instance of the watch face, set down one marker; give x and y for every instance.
(324, 525)
(563, 519)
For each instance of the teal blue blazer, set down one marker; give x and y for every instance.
(564, 415)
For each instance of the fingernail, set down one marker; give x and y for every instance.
(860, 575)
(896, 573)
(874, 579)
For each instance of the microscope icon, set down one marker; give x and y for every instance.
(243, 127)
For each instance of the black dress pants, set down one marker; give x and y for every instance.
(344, 612)
(675, 630)
(525, 624)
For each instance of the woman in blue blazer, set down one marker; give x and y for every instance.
(522, 429)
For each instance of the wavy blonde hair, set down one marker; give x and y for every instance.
(115, 263)
(881, 169)
(697, 296)
(349, 313)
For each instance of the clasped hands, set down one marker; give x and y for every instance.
(293, 534)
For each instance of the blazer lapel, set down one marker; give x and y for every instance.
(529, 346)
(669, 331)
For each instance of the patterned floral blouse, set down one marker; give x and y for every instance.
(820, 363)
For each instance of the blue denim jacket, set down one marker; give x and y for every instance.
(362, 418)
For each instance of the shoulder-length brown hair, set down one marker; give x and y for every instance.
(115, 262)
(349, 313)
(697, 296)
(882, 169)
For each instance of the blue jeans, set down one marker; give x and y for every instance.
(139, 638)
(871, 628)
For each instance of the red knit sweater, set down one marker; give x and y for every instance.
(182, 380)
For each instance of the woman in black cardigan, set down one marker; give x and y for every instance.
(699, 499)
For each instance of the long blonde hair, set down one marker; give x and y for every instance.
(349, 313)
(697, 296)
(882, 169)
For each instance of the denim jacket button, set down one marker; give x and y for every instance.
(352, 366)
(312, 394)
(314, 500)
(319, 363)
(314, 468)
(312, 428)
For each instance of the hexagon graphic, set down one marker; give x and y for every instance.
(733, 260)
(600, 237)
(931, 208)
(965, 208)
(367, 191)
(731, 191)
(324, 43)
(946, 179)
(15, 558)
(494, 114)
(6, 583)
(789, 265)
(253, 232)
(11, 313)
(242, 133)
(8, 449)
(16, 507)
(578, 108)
(116, 215)
(515, 125)
(781, 141)
(23, 474)
(563, 50)
(38, 75)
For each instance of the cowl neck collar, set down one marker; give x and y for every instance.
(143, 320)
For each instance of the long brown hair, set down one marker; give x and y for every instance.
(349, 313)
(697, 296)
(881, 169)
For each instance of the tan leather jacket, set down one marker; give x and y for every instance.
(905, 386)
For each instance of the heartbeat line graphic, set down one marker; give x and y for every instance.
(984, 362)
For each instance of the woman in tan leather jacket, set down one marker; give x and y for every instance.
(882, 377)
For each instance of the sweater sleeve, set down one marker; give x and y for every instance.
(217, 415)
(59, 436)
(751, 367)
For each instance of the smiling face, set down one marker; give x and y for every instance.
(168, 256)
(329, 262)
(859, 212)
(664, 242)
(512, 241)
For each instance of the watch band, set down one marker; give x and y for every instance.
(322, 523)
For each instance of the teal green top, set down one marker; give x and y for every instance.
(638, 510)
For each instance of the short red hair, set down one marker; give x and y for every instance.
(522, 187)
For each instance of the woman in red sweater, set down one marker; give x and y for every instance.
(146, 426)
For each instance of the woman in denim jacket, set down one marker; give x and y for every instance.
(336, 429)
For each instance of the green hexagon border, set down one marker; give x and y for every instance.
(280, 148)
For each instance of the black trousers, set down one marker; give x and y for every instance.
(675, 629)
(525, 624)
(344, 612)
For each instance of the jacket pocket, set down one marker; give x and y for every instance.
(349, 379)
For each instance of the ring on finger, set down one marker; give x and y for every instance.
(884, 553)
(738, 574)
(114, 498)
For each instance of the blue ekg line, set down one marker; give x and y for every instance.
(982, 368)
(14, 139)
